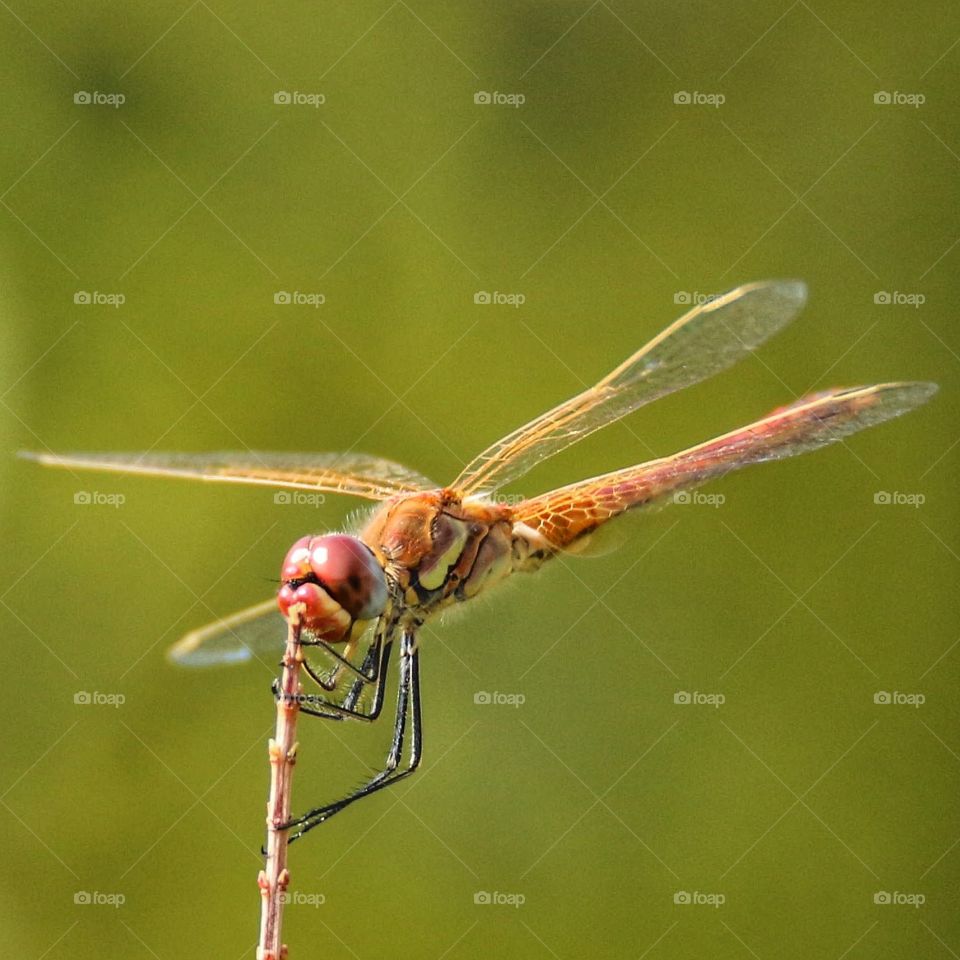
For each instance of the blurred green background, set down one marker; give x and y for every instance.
(606, 204)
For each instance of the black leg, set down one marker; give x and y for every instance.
(350, 700)
(408, 697)
(364, 674)
(316, 706)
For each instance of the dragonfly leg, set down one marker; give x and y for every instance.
(408, 700)
(318, 706)
(369, 670)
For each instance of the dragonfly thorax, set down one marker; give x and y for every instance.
(337, 580)
(441, 548)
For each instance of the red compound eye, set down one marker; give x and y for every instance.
(296, 564)
(343, 582)
(351, 574)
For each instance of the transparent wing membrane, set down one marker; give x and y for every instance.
(256, 632)
(570, 512)
(348, 473)
(708, 339)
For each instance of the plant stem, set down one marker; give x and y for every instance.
(274, 879)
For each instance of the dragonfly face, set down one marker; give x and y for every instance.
(336, 581)
(428, 546)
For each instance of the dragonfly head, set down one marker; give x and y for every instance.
(337, 579)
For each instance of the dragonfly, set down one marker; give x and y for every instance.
(425, 548)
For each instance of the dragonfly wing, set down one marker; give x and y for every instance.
(255, 632)
(708, 339)
(348, 473)
(564, 515)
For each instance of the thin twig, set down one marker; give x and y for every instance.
(275, 877)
